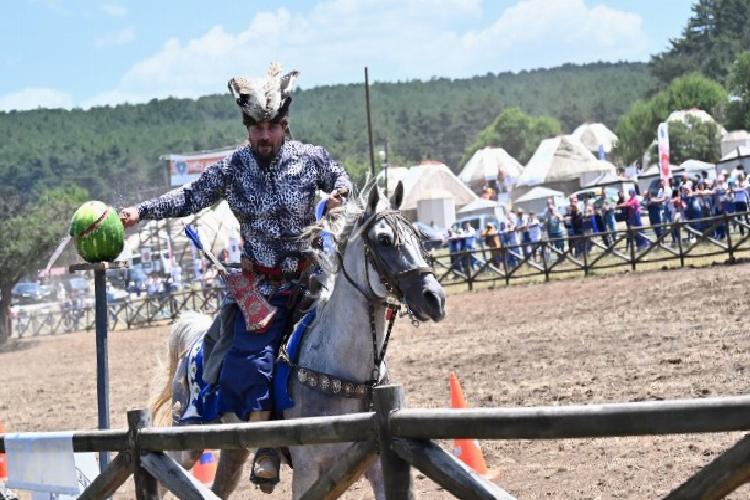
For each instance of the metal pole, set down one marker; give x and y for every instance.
(385, 166)
(102, 370)
(369, 124)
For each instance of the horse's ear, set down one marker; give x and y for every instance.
(373, 199)
(398, 196)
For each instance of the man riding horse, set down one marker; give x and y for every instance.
(270, 185)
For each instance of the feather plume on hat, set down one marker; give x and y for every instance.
(264, 99)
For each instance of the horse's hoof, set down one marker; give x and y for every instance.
(266, 487)
(265, 470)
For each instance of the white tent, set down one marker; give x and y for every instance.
(738, 156)
(536, 199)
(681, 115)
(425, 181)
(734, 139)
(490, 164)
(563, 163)
(592, 135)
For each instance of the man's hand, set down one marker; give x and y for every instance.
(129, 216)
(336, 199)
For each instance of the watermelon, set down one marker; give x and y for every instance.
(97, 232)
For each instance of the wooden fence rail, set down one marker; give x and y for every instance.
(400, 436)
(644, 247)
(55, 319)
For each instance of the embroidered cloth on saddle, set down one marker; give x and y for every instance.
(244, 384)
(281, 397)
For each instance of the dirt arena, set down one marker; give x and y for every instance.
(656, 335)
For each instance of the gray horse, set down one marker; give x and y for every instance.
(378, 257)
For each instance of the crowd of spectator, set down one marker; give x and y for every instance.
(680, 199)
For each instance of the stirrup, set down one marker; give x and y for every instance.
(266, 484)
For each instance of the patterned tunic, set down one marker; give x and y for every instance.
(273, 205)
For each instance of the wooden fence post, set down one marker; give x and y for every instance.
(396, 471)
(467, 257)
(145, 484)
(586, 241)
(679, 243)
(729, 238)
(545, 263)
(631, 238)
(504, 255)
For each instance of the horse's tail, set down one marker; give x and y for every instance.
(184, 331)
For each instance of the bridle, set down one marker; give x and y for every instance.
(389, 277)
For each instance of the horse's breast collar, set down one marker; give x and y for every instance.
(335, 386)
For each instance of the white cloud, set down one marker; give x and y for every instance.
(52, 5)
(397, 39)
(113, 9)
(33, 98)
(116, 39)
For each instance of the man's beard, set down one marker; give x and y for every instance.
(265, 158)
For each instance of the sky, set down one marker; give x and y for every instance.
(84, 53)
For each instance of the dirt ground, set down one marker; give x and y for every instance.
(655, 335)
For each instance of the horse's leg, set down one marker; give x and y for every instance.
(306, 470)
(374, 474)
(229, 471)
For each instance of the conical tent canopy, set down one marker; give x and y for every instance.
(560, 163)
(427, 181)
(536, 199)
(490, 163)
(594, 134)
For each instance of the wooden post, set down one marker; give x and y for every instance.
(586, 241)
(722, 476)
(729, 238)
(679, 243)
(175, 478)
(544, 250)
(504, 255)
(466, 257)
(631, 237)
(112, 478)
(145, 484)
(343, 472)
(448, 471)
(396, 471)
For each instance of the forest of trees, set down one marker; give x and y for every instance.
(113, 151)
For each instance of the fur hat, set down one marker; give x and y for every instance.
(263, 99)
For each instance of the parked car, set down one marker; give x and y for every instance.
(25, 292)
(435, 237)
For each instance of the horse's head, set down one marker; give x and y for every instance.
(384, 258)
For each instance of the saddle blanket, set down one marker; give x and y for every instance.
(204, 400)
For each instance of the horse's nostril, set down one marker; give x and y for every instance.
(431, 298)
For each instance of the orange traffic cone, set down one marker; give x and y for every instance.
(3, 465)
(204, 469)
(467, 450)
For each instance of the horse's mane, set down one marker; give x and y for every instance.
(339, 224)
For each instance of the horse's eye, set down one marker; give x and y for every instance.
(385, 240)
